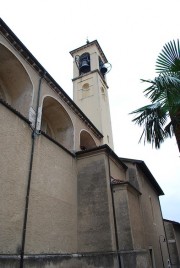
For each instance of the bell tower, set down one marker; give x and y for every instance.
(90, 89)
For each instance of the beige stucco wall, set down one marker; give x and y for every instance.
(52, 217)
(94, 103)
(177, 236)
(124, 233)
(135, 215)
(152, 220)
(173, 240)
(117, 171)
(88, 99)
(145, 214)
(95, 216)
(52, 213)
(15, 147)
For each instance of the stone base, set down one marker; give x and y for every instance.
(135, 259)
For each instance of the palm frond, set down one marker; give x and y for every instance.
(164, 93)
(169, 129)
(153, 118)
(165, 89)
(169, 58)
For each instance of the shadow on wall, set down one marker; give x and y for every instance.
(56, 123)
(15, 85)
(86, 141)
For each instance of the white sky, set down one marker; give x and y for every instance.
(131, 34)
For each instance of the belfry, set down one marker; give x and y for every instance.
(90, 89)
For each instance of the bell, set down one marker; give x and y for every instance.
(84, 66)
(103, 69)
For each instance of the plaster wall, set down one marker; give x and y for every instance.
(136, 219)
(15, 147)
(129, 227)
(94, 102)
(102, 261)
(52, 217)
(117, 171)
(152, 221)
(173, 236)
(132, 176)
(105, 112)
(95, 231)
(88, 99)
(177, 235)
(124, 233)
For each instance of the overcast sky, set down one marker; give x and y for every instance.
(131, 34)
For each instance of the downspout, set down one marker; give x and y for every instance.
(114, 217)
(167, 243)
(33, 137)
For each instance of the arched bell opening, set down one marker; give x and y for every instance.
(84, 63)
(86, 141)
(15, 85)
(56, 123)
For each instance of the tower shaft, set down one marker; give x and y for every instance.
(90, 90)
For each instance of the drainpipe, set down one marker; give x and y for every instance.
(114, 217)
(161, 248)
(34, 135)
(170, 262)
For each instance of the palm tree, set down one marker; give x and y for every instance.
(161, 118)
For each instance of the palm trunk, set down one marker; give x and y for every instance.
(176, 126)
(177, 135)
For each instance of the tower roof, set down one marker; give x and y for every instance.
(88, 44)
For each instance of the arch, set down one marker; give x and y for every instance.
(56, 122)
(86, 140)
(84, 63)
(15, 85)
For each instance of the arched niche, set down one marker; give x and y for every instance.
(15, 85)
(56, 122)
(86, 141)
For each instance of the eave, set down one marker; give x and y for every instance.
(28, 57)
(95, 42)
(141, 164)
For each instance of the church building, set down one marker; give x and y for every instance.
(66, 199)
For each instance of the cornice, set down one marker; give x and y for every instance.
(91, 72)
(95, 42)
